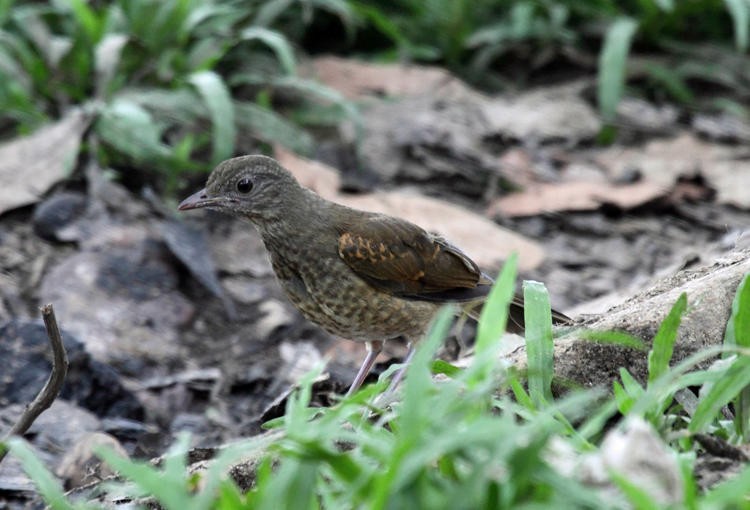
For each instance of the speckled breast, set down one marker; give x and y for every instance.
(330, 294)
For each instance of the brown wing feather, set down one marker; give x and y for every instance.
(401, 258)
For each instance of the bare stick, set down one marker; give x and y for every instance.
(49, 392)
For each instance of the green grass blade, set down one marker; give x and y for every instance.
(735, 379)
(612, 337)
(494, 316)
(49, 487)
(171, 492)
(738, 327)
(539, 344)
(612, 63)
(661, 351)
(87, 19)
(639, 498)
(738, 334)
(218, 99)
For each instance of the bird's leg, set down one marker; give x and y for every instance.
(401, 371)
(373, 349)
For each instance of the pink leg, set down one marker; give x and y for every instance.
(401, 371)
(373, 349)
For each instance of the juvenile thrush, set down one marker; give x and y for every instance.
(360, 275)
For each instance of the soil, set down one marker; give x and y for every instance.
(176, 323)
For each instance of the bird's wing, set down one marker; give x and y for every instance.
(399, 257)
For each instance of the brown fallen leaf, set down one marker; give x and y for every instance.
(725, 168)
(48, 155)
(575, 196)
(356, 79)
(483, 240)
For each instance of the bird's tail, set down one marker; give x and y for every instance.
(516, 323)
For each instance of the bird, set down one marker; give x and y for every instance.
(359, 275)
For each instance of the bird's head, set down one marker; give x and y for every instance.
(255, 187)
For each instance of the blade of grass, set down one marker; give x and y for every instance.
(735, 379)
(48, 485)
(661, 351)
(612, 62)
(539, 344)
(738, 334)
(494, 316)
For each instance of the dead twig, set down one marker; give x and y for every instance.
(52, 387)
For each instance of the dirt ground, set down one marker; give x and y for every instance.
(175, 322)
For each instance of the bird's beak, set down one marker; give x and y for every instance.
(196, 201)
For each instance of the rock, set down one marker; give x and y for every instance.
(62, 425)
(238, 249)
(56, 213)
(191, 247)
(591, 364)
(121, 300)
(25, 349)
(556, 113)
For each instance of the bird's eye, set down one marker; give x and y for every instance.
(244, 185)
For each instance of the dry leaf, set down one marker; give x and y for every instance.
(357, 79)
(575, 196)
(29, 166)
(725, 168)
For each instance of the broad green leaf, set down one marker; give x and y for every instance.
(130, 129)
(270, 127)
(87, 19)
(277, 42)
(106, 60)
(612, 63)
(739, 10)
(218, 99)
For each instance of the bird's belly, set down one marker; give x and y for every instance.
(333, 297)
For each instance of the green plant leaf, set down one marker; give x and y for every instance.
(277, 42)
(739, 10)
(734, 380)
(131, 129)
(539, 344)
(738, 334)
(271, 127)
(661, 351)
(494, 316)
(170, 487)
(612, 337)
(87, 19)
(48, 485)
(612, 62)
(218, 99)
